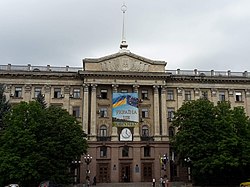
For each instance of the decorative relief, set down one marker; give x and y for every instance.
(230, 92)
(136, 86)
(115, 86)
(85, 87)
(124, 64)
(66, 89)
(28, 87)
(197, 91)
(47, 88)
(179, 91)
(214, 92)
(156, 89)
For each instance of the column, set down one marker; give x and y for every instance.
(164, 124)
(93, 113)
(66, 102)
(114, 135)
(136, 136)
(85, 111)
(156, 113)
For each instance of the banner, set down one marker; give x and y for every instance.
(125, 111)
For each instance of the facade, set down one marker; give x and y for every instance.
(125, 103)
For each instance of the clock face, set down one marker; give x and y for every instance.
(126, 134)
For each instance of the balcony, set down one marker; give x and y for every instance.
(103, 138)
(147, 138)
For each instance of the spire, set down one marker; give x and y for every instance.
(123, 44)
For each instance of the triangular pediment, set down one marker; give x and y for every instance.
(123, 62)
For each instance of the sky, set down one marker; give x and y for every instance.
(187, 34)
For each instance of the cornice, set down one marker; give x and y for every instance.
(143, 75)
(202, 79)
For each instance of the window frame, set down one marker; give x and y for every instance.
(18, 92)
(170, 95)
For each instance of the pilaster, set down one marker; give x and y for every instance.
(156, 114)
(85, 110)
(93, 113)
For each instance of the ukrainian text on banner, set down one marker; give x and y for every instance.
(125, 109)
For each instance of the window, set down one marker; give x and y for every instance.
(238, 96)
(124, 91)
(170, 113)
(76, 111)
(170, 94)
(57, 93)
(144, 94)
(103, 112)
(37, 92)
(104, 94)
(103, 151)
(171, 131)
(144, 113)
(222, 96)
(147, 151)
(145, 131)
(103, 131)
(187, 95)
(204, 94)
(125, 151)
(18, 92)
(76, 93)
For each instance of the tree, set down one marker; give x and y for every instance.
(39, 144)
(4, 106)
(214, 138)
(40, 99)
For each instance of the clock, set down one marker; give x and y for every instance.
(126, 134)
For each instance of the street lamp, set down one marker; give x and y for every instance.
(188, 160)
(87, 160)
(164, 160)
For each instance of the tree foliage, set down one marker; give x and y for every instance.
(215, 138)
(4, 106)
(39, 144)
(41, 100)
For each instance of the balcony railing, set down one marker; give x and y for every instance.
(103, 138)
(29, 67)
(147, 138)
(194, 72)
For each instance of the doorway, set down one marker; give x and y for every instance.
(147, 172)
(103, 173)
(125, 172)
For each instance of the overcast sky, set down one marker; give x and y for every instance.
(187, 34)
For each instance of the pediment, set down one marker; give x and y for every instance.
(123, 62)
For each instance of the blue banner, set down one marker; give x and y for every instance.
(125, 111)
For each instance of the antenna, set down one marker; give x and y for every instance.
(123, 44)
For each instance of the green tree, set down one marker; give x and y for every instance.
(4, 105)
(40, 99)
(214, 138)
(39, 144)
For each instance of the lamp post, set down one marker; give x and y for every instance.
(87, 160)
(188, 161)
(164, 160)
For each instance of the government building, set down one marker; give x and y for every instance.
(125, 103)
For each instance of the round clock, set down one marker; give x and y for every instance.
(126, 133)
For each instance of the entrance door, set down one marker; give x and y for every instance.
(125, 172)
(103, 173)
(146, 172)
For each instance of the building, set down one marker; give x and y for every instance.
(125, 103)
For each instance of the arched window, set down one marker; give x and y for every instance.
(103, 131)
(171, 131)
(145, 131)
